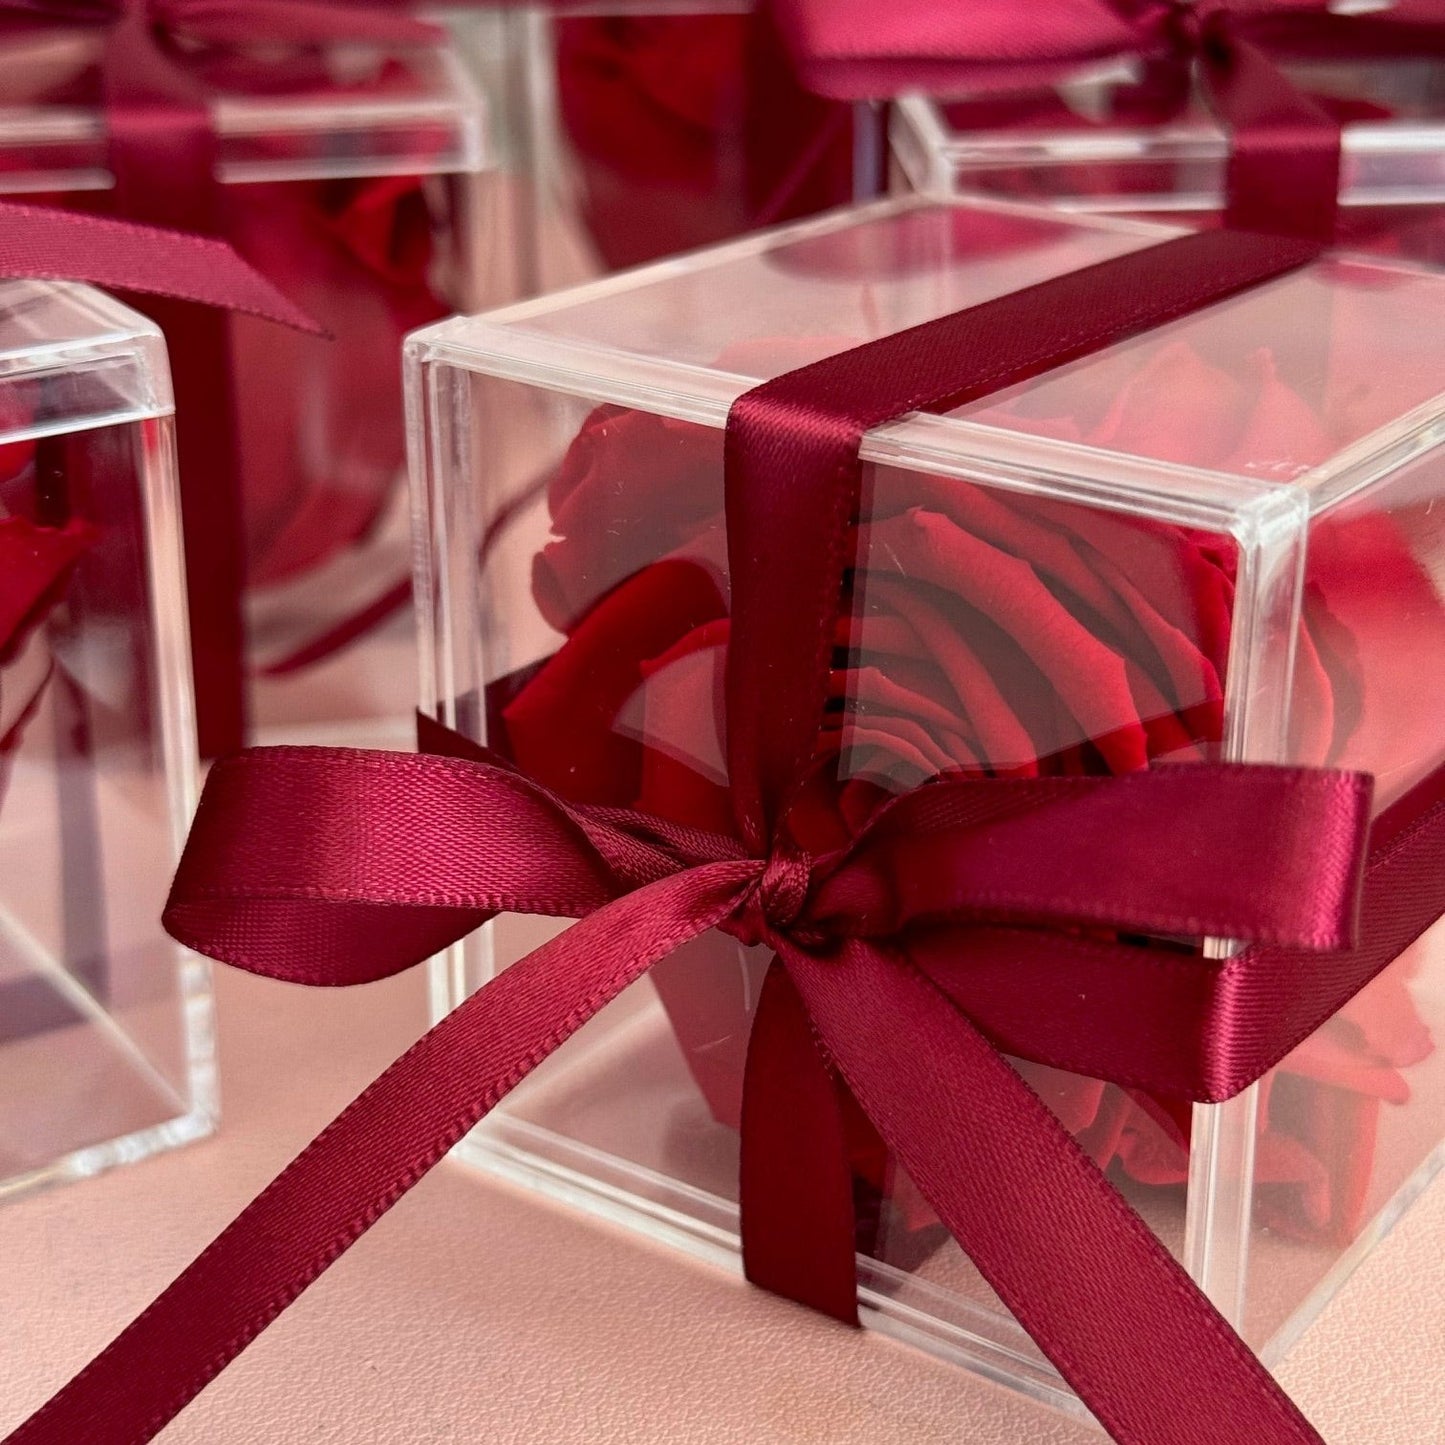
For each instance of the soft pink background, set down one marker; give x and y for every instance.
(476, 1313)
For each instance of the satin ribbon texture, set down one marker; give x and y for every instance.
(972, 918)
(46, 244)
(1283, 173)
(161, 150)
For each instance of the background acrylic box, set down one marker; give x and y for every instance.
(635, 120)
(358, 181)
(1126, 138)
(1214, 541)
(105, 1024)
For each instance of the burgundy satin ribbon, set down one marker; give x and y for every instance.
(1283, 172)
(161, 150)
(913, 956)
(47, 244)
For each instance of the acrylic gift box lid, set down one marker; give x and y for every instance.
(408, 111)
(1106, 141)
(71, 358)
(1212, 540)
(105, 1033)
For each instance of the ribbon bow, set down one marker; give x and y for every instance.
(1283, 173)
(963, 922)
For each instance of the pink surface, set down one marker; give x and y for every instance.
(475, 1312)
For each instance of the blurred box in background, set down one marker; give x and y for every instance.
(353, 177)
(1138, 137)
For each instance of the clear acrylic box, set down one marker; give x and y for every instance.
(105, 1024)
(1129, 137)
(636, 121)
(1220, 540)
(357, 180)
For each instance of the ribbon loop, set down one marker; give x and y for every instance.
(510, 846)
(1272, 855)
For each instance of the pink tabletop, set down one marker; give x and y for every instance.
(477, 1313)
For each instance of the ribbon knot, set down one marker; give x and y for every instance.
(772, 908)
(1196, 27)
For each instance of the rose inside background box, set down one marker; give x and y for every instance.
(105, 1029)
(1214, 541)
(653, 128)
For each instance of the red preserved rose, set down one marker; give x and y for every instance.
(689, 129)
(322, 439)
